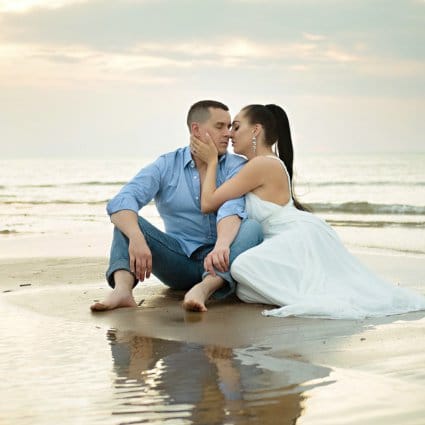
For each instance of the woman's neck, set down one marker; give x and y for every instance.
(261, 151)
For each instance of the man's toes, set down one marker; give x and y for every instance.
(200, 306)
(193, 305)
(98, 307)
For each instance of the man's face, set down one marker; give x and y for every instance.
(218, 127)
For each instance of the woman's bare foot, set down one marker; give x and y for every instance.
(195, 298)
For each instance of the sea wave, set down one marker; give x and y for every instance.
(99, 183)
(364, 208)
(368, 208)
(376, 223)
(58, 185)
(388, 249)
(7, 232)
(361, 183)
(299, 183)
(55, 202)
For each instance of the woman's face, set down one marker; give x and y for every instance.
(241, 134)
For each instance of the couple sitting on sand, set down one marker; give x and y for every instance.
(233, 225)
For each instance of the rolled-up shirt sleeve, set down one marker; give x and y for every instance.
(233, 206)
(140, 190)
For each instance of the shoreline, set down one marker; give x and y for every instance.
(91, 263)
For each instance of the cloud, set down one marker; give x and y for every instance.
(388, 27)
(91, 73)
(298, 46)
(48, 66)
(322, 62)
(314, 37)
(69, 62)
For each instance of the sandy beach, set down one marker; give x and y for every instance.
(63, 364)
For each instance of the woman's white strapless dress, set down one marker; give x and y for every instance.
(303, 267)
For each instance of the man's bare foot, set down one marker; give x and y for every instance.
(195, 298)
(116, 299)
(121, 295)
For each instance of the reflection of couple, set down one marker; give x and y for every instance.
(221, 385)
(212, 246)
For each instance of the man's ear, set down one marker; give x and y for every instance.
(194, 127)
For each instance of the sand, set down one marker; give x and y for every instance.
(238, 365)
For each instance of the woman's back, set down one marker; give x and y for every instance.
(276, 185)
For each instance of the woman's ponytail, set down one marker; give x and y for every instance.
(284, 147)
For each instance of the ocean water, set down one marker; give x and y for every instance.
(376, 202)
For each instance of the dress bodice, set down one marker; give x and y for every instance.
(270, 215)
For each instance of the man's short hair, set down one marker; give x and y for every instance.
(199, 111)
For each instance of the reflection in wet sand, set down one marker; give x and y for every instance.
(56, 366)
(159, 380)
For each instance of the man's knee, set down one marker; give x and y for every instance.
(145, 226)
(250, 234)
(251, 231)
(119, 237)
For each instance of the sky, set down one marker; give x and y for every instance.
(115, 78)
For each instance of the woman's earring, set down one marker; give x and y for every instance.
(254, 144)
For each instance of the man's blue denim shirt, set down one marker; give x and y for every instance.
(173, 181)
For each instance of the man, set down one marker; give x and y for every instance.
(191, 238)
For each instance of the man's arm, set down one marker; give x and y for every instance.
(138, 249)
(234, 206)
(123, 209)
(227, 229)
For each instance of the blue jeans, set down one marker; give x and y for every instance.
(169, 262)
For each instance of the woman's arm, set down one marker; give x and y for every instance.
(249, 178)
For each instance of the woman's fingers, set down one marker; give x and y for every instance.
(226, 260)
(196, 143)
(208, 139)
(208, 265)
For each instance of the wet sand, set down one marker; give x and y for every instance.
(61, 363)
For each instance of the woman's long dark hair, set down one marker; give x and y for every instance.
(275, 123)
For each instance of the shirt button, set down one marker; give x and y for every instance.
(197, 197)
(194, 177)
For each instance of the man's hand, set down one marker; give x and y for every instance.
(138, 249)
(218, 258)
(140, 258)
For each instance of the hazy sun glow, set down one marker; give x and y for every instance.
(25, 5)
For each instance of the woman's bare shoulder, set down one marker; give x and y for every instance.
(264, 162)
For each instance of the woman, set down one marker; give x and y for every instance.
(301, 266)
